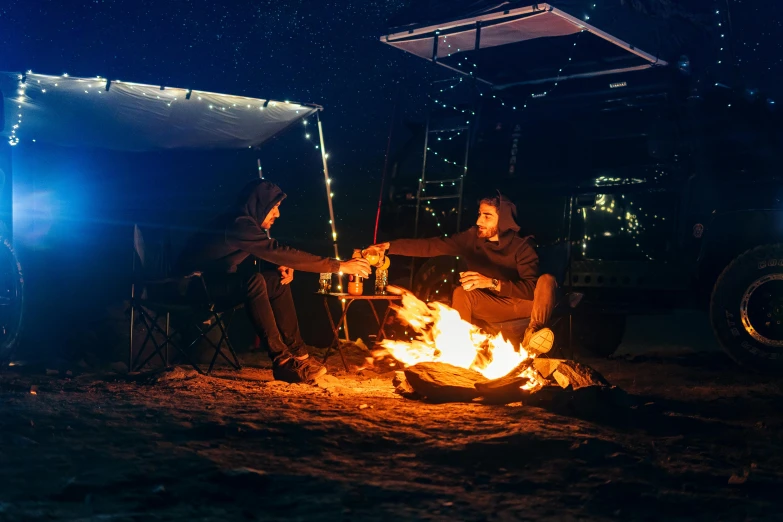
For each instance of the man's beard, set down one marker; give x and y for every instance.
(487, 232)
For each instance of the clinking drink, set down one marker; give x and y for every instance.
(355, 282)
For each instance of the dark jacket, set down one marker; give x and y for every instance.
(512, 259)
(234, 235)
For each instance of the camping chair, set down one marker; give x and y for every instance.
(552, 259)
(155, 294)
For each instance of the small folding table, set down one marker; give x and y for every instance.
(349, 300)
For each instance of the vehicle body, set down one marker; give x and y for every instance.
(668, 191)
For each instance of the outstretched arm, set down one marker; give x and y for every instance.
(428, 247)
(245, 235)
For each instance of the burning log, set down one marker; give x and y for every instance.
(453, 360)
(441, 382)
(403, 387)
(575, 375)
(509, 386)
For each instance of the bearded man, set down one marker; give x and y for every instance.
(502, 282)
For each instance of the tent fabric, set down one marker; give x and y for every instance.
(601, 53)
(74, 111)
(664, 28)
(536, 26)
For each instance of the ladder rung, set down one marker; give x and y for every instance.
(439, 197)
(451, 129)
(442, 181)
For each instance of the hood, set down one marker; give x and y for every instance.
(257, 199)
(507, 216)
(507, 222)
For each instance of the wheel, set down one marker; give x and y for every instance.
(11, 301)
(599, 333)
(746, 308)
(437, 278)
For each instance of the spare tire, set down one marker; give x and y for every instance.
(746, 308)
(11, 301)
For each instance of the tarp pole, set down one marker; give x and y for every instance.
(328, 182)
(385, 165)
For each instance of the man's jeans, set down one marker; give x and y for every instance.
(269, 305)
(487, 306)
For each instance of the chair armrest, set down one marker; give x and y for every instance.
(170, 279)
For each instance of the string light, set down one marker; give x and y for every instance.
(167, 96)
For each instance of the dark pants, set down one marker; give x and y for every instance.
(487, 306)
(269, 305)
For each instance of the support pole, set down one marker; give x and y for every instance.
(328, 186)
(328, 181)
(385, 166)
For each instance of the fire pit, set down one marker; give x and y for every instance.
(452, 360)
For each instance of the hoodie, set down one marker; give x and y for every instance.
(512, 259)
(236, 234)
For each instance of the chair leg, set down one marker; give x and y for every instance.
(237, 365)
(224, 340)
(152, 326)
(151, 335)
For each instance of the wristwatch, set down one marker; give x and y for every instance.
(495, 284)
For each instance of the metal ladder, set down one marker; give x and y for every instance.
(437, 124)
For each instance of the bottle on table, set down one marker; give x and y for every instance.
(355, 282)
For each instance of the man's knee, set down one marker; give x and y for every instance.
(546, 282)
(459, 295)
(256, 286)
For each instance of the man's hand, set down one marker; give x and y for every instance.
(380, 247)
(473, 280)
(358, 267)
(286, 274)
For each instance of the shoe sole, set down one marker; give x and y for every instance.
(542, 340)
(323, 371)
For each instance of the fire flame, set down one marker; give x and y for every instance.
(442, 336)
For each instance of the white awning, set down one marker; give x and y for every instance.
(96, 112)
(447, 44)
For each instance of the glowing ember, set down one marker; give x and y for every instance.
(442, 336)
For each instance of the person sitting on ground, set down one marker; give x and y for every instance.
(243, 230)
(502, 282)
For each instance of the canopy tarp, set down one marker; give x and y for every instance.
(96, 112)
(510, 43)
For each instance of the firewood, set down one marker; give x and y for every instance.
(441, 382)
(511, 379)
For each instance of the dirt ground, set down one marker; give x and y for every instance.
(700, 441)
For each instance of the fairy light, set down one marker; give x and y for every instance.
(168, 96)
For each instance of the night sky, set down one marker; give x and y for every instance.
(325, 52)
(322, 52)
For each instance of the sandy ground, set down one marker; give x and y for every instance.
(702, 441)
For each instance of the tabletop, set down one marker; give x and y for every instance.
(369, 296)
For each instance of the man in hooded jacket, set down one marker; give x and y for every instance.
(243, 230)
(502, 280)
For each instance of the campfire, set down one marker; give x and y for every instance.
(442, 336)
(451, 359)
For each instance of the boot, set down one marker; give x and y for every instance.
(538, 340)
(286, 367)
